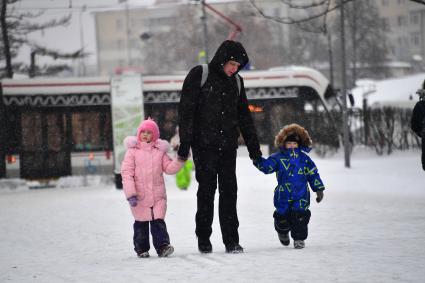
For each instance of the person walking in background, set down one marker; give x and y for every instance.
(418, 120)
(294, 171)
(184, 176)
(211, 116)
(143, 183)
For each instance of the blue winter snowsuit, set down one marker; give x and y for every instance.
(294, 171)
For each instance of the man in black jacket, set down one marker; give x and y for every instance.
(418, 120)
(211, 117)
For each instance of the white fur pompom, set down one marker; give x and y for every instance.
(130, 142)
(162, 145)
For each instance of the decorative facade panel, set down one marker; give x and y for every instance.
(150, 97)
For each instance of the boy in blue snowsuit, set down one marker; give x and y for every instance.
(294, 171)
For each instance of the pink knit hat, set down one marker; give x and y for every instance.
(151, 126)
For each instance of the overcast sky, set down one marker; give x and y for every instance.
(79, 32)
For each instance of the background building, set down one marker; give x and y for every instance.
(121, 35)
(132, 37)
(404, 22)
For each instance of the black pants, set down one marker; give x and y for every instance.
(141, 235)
(423, 151)
(211, 165)
(294, 221)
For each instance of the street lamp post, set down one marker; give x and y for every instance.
(127, 31)
(2, 136)
(344, 91)
(83, 64)
(205, 32)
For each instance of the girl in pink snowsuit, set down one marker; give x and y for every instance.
(142, 175)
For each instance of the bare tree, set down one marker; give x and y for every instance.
(15, 26)
(179, 48)
(252, 27)
(366, 44)
(309, 11)
(176, 49)
(33, 70)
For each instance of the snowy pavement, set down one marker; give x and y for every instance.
(370, 227)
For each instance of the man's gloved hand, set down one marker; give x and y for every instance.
(255, 156)
(132, 201)
(319, 196)
(183, 152)
(182, 159)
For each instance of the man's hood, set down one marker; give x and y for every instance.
(229, 50)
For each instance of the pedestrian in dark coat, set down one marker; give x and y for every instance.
(211, 117)
(418, 120)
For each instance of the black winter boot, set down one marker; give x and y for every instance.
(204, 246)
(284, 238)
(234, 249)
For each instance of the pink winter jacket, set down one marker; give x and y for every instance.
(142, 176)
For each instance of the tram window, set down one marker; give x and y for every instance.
(169, 123)
(91, 131)
(308, 107)
(56, 131)
(32, 138)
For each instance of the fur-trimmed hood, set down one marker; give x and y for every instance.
(132, 142)
(305, 140)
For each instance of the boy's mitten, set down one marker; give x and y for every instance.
(256, 161)
(319, 196)
(132, 201)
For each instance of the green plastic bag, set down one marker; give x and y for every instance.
(184, 176)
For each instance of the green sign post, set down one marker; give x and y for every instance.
(127, 112)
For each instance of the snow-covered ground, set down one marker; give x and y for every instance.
(370, 227)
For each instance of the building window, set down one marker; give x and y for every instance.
(385, 24)
(393, 50)
(414, 18)
(134, 23)
(401, 21)
(119, 25)
(415, 39)
(134, 43)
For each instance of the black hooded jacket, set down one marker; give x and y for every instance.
(212, 116)
(418, 118)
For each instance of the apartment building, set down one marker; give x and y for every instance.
(122, 34)
(404, 21)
